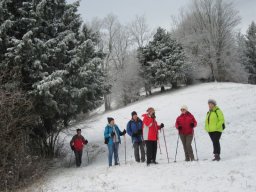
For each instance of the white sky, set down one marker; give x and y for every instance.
(157, 12)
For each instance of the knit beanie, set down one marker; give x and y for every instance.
(212, 101)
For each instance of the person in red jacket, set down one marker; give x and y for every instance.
(77, 144)
(186, 123)
(150, 134)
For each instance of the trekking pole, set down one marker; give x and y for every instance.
(177, 148)
(165, 146)
(159, 146)
(195, 146)
(88, 156)
(70, 159)
(124, 149)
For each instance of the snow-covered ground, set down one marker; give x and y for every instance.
(235, 172)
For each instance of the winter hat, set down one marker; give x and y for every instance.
(134, 113)
(212, 101)
(184, 107)
(110, 119)
(150, 109)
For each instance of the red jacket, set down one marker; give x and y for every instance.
(150, 128)
(185, 121)
(78, 142)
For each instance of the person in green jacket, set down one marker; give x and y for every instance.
(214, 125)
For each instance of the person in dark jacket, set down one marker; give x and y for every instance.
(186, 123)
(77, 144)
(112, 137)
(134, 129)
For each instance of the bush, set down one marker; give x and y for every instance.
(17, 119)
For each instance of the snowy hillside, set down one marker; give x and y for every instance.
(235, 172)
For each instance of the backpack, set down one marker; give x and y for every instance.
(106, 141)
(223, 125)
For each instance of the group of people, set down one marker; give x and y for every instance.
(144, 135)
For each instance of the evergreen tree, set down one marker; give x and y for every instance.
(162, 60)
(56, 62)
(251, 52)
(16, 19)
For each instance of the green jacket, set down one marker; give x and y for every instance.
(215, 120)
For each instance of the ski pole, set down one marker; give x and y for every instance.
(195, 147)
(124, 149)
(165, 146)
(70, 159)
(177, 148)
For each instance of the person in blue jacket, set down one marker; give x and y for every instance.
(134, 129)
(112, 138)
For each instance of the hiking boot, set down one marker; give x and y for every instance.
(216, 157)
(154, 162)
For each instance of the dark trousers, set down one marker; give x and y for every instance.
(78, 155)
(151, 151)
(139, 148)
(215, 137)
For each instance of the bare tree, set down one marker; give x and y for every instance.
(140, 31)
(121, 45)
(207, 32)
(118, 42)
(108, 29)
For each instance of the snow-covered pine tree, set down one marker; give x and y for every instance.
(163, 60)
(57, 64)
(16, 19)
(251, 53)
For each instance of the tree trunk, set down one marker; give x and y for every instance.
(174, 85)
(162, 89)
(107, 102)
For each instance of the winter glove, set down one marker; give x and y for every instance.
(113, 134)
(140, 132)
(192, 125)
(135, 134)
(72, 148)
(179, 127)
(153, 115)
(124, 132)
(162, 125)
(86, 142)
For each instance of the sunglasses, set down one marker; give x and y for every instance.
(183, 109)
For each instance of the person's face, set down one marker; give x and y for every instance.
(183, 111)
(135, 117)
(78, 132)
(151, 113)
(211, 106)
(112, 122)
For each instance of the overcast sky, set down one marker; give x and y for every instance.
(157, 12)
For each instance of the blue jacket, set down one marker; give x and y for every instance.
(107, 134)
(135, 127)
